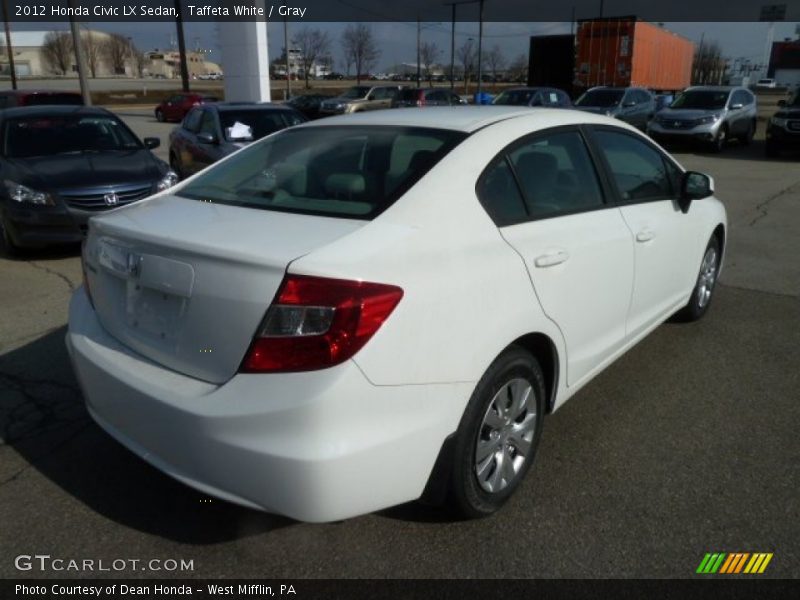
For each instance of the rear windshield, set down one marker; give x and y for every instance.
(701, 99)
(246, 125)
(337, 171)
(515, 97)
(40, 99)
(601, 98)
(65, 134)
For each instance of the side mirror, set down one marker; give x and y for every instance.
(151, 142)
(782, 103)
(736, 106)
(694, 186)
(206, 138)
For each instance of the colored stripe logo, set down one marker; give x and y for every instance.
(734, 563)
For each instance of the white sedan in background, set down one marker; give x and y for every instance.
(369, 309)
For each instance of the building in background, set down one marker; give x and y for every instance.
(784, 63)
(166, 64)
(319, 68)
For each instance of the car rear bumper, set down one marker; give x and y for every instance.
(317, 446)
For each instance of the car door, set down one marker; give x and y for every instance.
(545, 195)
(645, 182)
(203, 151)
(172, 109)
(182, 139)
(739, 119)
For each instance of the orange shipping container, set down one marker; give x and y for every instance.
(623, 52)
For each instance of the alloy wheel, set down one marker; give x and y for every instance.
(707, 278)
(505, 437)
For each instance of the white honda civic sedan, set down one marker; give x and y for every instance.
(369, 309)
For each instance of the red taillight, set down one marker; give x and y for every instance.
(315, 322)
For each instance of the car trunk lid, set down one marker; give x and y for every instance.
(186, 283)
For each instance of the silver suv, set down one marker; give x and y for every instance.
(360, 98)
(709, 115)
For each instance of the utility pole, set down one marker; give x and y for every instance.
(480, 47)
(8, 47)
(453, 49)
(419, 30)
(80, 57)
(182, 48)
(286, 47)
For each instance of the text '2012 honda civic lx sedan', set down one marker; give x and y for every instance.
(369, 309)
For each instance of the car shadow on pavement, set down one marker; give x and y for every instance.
(47, 253)
(43, 418)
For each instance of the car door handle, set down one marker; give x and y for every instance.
(645, 235)
(551, 259)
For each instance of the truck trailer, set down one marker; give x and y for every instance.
(624, 51)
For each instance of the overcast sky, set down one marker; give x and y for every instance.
(398, 40)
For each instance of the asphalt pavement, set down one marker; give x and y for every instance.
(687, 445)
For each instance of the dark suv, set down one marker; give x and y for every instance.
(783, 129)
(632, 105)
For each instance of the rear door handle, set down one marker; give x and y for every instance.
(645, 235)
(551, 259)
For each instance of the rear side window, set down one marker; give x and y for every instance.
(556, 175)
(638, 169)
(353, 172)
(500, 196)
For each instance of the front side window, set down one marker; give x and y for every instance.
(207, 124)
(638, 169)
(192, 121)
(354, 172)
(556, 175)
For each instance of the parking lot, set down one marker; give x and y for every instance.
(687, 445)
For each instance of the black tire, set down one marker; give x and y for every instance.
(175, 165)
(699, 302)
(746, 138)
(160, 116)
(771, 150)
(721, 139)
(512, 370)
(8, 246)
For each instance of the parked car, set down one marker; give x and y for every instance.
(766, 84)
(533, 96)
(177, 106)
(333, 76)
(13, 98)
(783, 129)
(708, 115)
(426, 97)
(63, 164)
(212, 131)
(308, 104)
(360, 98)
(632, 105)
(294, 329)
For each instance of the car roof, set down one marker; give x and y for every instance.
(228, 106)
(461, 118)
(48, 110)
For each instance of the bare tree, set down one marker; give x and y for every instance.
(92, 48)
(360, 48)
(138, 60)
(57, 51)
(495, 60)
(466, 55)
(117, 49)
(518, 69)
(311, 44)
(709, 66)
(428, 54)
